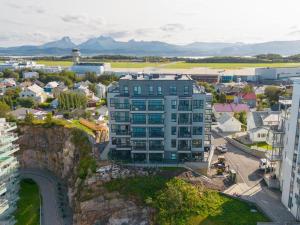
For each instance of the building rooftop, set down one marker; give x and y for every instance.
(220, 107)
(156, 77)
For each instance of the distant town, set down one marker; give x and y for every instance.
(99, 142)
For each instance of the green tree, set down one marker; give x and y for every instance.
(71, 100)
(49, 118)
(241, 116)
(27, 102)
(7, 73)
(4, 109)
(91, 77)
(272, 93)
(248, 89)
(29, 117)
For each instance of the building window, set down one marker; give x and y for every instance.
(198, 117)
(125, 90)
(197, 104)
(186, 90)
(151, 91)
(174, 117)
(197, 130)
(173, 143)
(184, 105)
(138, 105)
(173, 90)
(174, 104)
(137, 90)
(197, 143)
(173, 131)
(159, 91)
(138, 118)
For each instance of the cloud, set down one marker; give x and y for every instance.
(172, 27)
(83, 20)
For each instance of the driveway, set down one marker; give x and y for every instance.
(48, 188)
(249, 185)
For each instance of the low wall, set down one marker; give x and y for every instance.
(254, 152)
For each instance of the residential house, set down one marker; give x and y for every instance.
(29, 75)
(247, 98)
(101, 90)
(34, 91)
(259, 124)
(8, 82)
(20, 113)
(220, 108)
(50, 86)
(60, 88)
(229, 124)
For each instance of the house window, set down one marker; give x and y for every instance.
(173, 90)
(173, 143)
(258, 135)
(174, 104)
(174, 117)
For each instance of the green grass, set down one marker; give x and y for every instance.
(55, 63)
(134, 64)
(214, 208)
(28, 206)
(263, 145)
(184, 65)
(77, 124)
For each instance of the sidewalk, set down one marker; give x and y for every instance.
(267, 200)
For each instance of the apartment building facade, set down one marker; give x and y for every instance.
(9, 176)
(159, 118)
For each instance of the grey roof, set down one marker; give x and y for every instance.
(258, 117)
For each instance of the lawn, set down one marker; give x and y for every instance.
(135, 64)
(180, 203)
(28, 206)
(184, 65)
(55, 63)
(263, 145)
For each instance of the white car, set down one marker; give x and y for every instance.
(222, 148)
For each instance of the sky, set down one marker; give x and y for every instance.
(34, 22)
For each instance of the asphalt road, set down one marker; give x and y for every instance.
(245, 164)
(47, 186)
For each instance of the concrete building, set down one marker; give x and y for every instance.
(28, 75)
(20, 64)
(276, 73)
(9, 181)
(290, 182)
(101, 90)
(159, 119)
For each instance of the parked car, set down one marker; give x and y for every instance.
(222, 148)
(264, 164)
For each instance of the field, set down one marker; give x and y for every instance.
(28, 206)
(215, 208)
(55, 63)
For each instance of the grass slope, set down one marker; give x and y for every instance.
(28, 206)
(211, 207)
(55, 63)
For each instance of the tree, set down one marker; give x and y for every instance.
(107, 79)
(91, 77)
(272, 93)
(7, 73)
(29, 117)
(49, 118)
(221, 98)
(27, 102)
(71, 100)
(4, 109)
(248, 89)
(241, 116)
(92, 88)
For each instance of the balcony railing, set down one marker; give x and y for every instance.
(156, 147)
(122, 132)
(184, 134)
(138, 107)
(122, 119)
(138, 134)
(155, 107)
(156, 121)
(184, 108)
(139, 148)
(8, 138)
(156, 134)
(184, 148)
(122, 106)
(123, 145)
(138, 121)
(184, 121)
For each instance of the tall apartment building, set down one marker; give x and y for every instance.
(9, 177)
(159, 118)
(290, 179)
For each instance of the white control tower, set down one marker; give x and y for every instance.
(76, 55)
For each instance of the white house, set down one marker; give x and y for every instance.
(50, 86)
(101, 90)
(34, 91)
(259, 123)
(228, 123)
(20, 113)
(28, 75)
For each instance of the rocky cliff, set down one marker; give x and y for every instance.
(68, 155)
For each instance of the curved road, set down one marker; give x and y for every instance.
(48, 188)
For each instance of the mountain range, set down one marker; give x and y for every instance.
(104, 45)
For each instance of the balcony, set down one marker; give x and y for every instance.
(122, 132)
(184, 135)
(156, 134)
(122, 106)
(155, 121)
(184, 121)
(10, 126)
(156, 147)
(184, 148)
(4, 205)
(2, 188)
(156, 107)
(138, 134)
(8, 138)
(139, 147)
(119, 119)
(184, 108)
(8, 150)
(138, 107)
(138, 121)
(123, 145)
